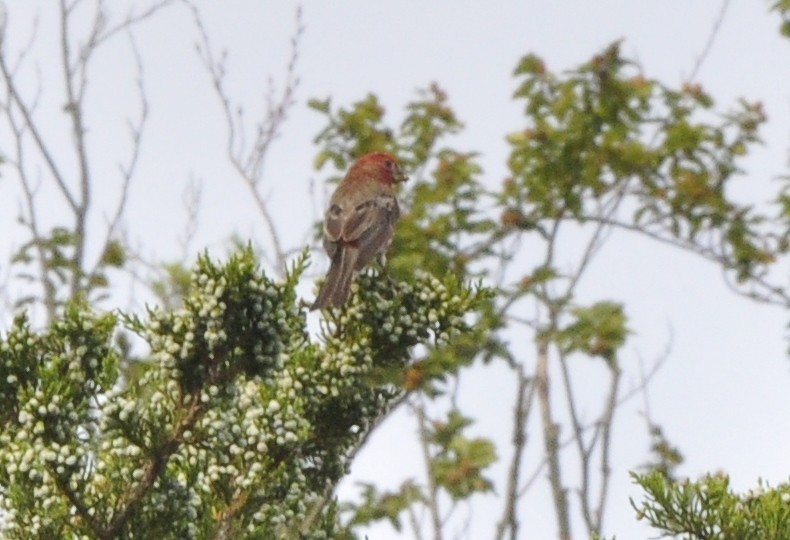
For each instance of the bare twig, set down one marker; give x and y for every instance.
(130, 20)
(74, 108)
(33, 127)
(24, 49)
(639, 389)
(584, 449)
(602, 229)
(191, 198)
(709, 43)
(383, 415)
(225, 519)
(19, 161)
(128, 169)
(29, 190)
(551, 443)
(762, 290)
(645, 377)
(414, 521)
(467, 523)
(432, 501)
(605, 426)
(248, 161)
(524, 394)
(329, 489)
(74, 184)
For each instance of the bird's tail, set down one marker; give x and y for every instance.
(337, 287)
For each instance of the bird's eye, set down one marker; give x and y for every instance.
(390, 164)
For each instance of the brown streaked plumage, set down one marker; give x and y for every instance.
(359, 223)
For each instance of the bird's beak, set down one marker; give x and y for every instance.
(400, 176)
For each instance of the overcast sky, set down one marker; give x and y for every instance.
(722, 396)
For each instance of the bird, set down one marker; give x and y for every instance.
(359, 223)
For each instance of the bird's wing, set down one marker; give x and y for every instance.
(374, 231)
(367, 226)
(333, 229)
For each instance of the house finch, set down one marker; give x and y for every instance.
(359, 223)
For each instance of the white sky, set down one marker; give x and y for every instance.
(723, 394)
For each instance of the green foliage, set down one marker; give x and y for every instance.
(51, 261)
(54, 252)
(442, 233)
(458, 462)
(709, 509)
(114, 255)
(235, 423)
(604, 131)
(666, 456)
(351, 133)
(443, 222)
(602, 148)
(457, 466)
(442, 230)
(203, 439)
(376, 506)
(173, 286)
(783, 8)
(595, 331)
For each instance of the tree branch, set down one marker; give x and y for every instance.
(709, 43)
(131, 20)
(524, 394)
(551, 442)
(128, 169)
(432, 501)
(74, 109)
(248, 162)
(605, 426)
(42, 147)
(153, 470)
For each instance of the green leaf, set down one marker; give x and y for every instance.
(530, 64)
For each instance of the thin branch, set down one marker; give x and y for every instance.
(191, 197)
(79, 68)
(248, 162)
(524, 394)
(771, 294)
(607, 209)
(321, 502)
(74, 5)
(709, 43)
(26, 48)
(432, 501)
(25, 111)
(128, 169)
(414, 522)
(131, 20)
(312, 516)
(583, 449)
(639, 389)
(605, 425)
(551, 442)
(383, 415)
(74, 109)
(19, 162)
(155, 467)
(467, 523)
(646, 378)
(224, 520)
(49, 296)
(79, 506)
